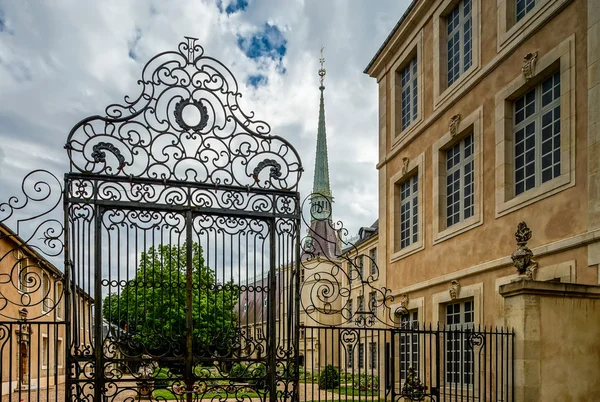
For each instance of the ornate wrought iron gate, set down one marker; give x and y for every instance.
(180, 240)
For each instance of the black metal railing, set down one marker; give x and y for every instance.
(420, 363)
(33, 361)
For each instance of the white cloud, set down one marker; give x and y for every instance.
(61, 61)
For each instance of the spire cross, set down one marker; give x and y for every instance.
(322, 71)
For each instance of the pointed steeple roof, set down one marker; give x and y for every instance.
(322, 234)
(321, 178)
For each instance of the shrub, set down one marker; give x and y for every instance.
(238, 370)
(258, 372)
(329, 378)
(365, 382)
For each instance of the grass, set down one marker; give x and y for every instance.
(166, 394)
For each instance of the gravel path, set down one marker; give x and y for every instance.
(308, 392)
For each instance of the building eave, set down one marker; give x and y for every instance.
(374, 65)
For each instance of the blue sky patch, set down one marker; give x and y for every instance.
(233, 7)
(257, 80)
(268, 42)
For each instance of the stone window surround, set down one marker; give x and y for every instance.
(439, 302)
(414, 48)
(59, 347)
(43, 364)
(563, 58)
(473, 123)
(441, 299)
(510, 30)
(419, 305)
(565, 272)
(415, 166)
(441, 92)
(413, 304)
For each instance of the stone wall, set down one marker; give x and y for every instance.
(557, 340)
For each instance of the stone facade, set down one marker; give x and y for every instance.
(561, 212)
(33, 354)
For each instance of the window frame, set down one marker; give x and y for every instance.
(350, 356)
(407, 358)
(536, 119)
(414, 166)
(46, 293)
(59, 349)
(510, 30)
(441, 90)
(44, 362)
(373, 263)
(462, 327)
(361, 355)
(373, 355)
(460, 29)
(473, 123)
(561, 58)
(58, 299)
(414, 49)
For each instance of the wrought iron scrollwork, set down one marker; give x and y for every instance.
(33, 237)
(152, 136)
(330, 281)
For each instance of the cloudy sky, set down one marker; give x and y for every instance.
(63, 60)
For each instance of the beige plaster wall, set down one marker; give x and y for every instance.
(552, 219)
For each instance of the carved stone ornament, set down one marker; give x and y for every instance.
(522, 257)
(403, 307)
(454, 289)
(405, 162)
(454, 122)
(528, 68)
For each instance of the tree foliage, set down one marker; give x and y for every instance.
(150, 309)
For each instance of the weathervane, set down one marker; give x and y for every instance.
(322, 71)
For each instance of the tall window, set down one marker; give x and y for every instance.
(361, 355)
(361, 304)
(537, 135)
(373, 301)
(408, 77)
(46, 296)
(459, 40)
(350, 359)
(45, 352)
(459, 181)
(22, 270)
(373, 255)
(523, 7)
(459, 355)
(409, 344)
(409, 212)
(59, 349)
(373, 350)
(58, 298)
(361, 266)
(350, 309)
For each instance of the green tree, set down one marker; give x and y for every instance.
(151, 309)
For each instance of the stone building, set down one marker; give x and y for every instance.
(33, 328)
(488, 117)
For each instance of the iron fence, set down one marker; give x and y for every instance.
(33, 361)
(420, 363)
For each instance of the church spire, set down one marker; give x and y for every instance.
(321, 187)
(322, 234)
